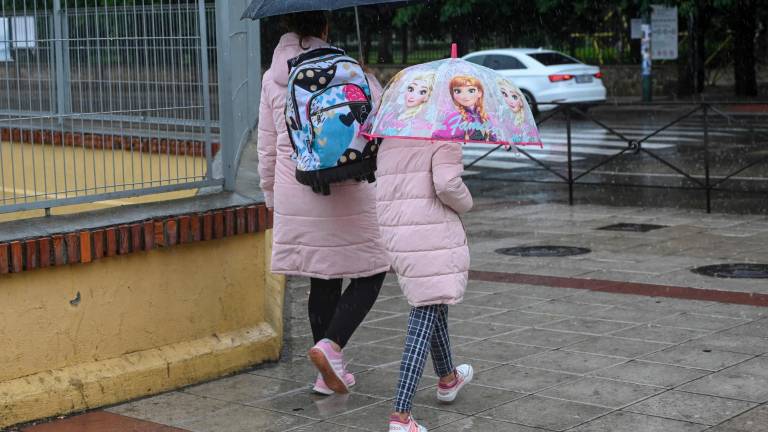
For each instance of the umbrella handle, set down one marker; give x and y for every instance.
(454, 51)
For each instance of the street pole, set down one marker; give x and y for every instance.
(645, 49)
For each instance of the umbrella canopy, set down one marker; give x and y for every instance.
(265, 8)
(453, 100)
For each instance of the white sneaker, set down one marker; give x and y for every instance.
(395, 425)
(447, 393)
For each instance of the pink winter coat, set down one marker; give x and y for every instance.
(327, 237)
(420, 196)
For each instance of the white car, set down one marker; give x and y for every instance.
(545, 75)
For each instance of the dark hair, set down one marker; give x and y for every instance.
(306, 24)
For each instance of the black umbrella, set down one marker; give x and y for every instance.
(265, 8)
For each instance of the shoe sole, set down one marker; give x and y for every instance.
(323, 365)
(454, 394)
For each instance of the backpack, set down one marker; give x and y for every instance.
(328, 101)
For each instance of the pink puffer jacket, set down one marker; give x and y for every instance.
(420, 196)
(327, 237)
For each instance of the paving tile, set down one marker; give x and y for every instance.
(612, 346)
(496, 351)
(472, 399)
(394, 304)
(588, 325)
(245, 388)
(299, 370)
(756, 328)
(739, 344)
(656, 374)
(700, 322)
(173, 409)
(756, 366)
(736, 385)
(750, 421)
(656, 333)
(694, 408)
(308, 404)
(630, 314)
(553, 414)
(630, 422)
(382, 383)
(372, 355)
(365, 334)
(503, 301)
(600, 391)
(564, 308)
(376, 417)
(520, 318)
(736, 311)
(100, 421)
(475, 424)
(569, 361)
(480, 330)
(239, 418)
(697, 357)
(374, 316)
(522, 379)
(468, 312)
(394, 322)
(325, 426)
(543, 338)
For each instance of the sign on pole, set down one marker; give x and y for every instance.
(664, 39)
(636, 30)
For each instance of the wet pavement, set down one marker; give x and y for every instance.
(623, 338)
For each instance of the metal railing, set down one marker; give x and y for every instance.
(693, 175)
(105, 99)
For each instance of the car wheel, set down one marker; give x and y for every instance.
(531, 102)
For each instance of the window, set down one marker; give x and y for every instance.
(503, 62)
(553, 58)
(476, 59)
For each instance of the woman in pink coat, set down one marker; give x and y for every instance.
(325, 238)
(420, 196)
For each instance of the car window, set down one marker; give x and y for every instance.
(552, 58)
(502, 62)
(476, 59)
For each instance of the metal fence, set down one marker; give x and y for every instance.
(729, 140)
(105, 99)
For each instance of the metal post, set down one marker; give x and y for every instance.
(254, 69)
(707, 184)
(227, 137)
(570, 155)
(645, 49)
(63, 103)
(205, 86)
(359, 38)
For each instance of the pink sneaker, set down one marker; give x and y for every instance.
(323, 389)
(330, 364)
(395, 425)
(447, 393)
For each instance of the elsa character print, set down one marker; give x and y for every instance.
(513, 97)
(410, 121)
(469, 122)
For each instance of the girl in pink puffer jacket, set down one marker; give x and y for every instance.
(420, 196)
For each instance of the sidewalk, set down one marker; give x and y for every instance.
(558, 343)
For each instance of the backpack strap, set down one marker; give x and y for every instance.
(319, 52)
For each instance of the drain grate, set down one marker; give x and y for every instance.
(632, 227)
(543, 251)
(734, 271)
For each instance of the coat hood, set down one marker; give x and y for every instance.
(288, 48)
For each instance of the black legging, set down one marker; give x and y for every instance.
(336, 316)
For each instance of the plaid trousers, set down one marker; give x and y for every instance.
(427, 331)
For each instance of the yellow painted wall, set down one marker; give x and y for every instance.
(144, 323)
(43, 172)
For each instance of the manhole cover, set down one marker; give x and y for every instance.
(632, 227)
(734, 271)
(543, 251)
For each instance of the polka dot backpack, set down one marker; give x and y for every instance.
(328, 101)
